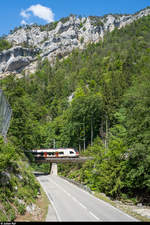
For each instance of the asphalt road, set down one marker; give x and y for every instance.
(72, 203)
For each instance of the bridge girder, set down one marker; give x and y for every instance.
(63, 160)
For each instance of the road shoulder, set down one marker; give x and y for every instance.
(51, 215)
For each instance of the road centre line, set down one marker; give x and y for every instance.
(95, 216)
(83, 206)
(107, 204)
(76, 200)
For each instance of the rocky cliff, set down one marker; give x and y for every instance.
(58, 39)
(16, 58)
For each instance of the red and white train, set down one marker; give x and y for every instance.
(53, 153)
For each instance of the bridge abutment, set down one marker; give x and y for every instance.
(54, 169)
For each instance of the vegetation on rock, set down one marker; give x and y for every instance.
(4, 45)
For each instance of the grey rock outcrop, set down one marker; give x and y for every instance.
(16, 58)
(5, 178)
(59, 41)
(17, 63)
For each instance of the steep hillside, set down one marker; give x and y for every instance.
(58, 39)
(19, 190)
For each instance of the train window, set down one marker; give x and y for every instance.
(51, 153)
(61, 153)
(71, 152)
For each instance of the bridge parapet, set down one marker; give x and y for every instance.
(63, 160)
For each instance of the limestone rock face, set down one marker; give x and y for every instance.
(59, 40)
(16, 63)
(16, 58)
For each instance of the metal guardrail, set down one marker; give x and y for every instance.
(5, 114)
(83, 186)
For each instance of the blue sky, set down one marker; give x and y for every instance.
(13, 13)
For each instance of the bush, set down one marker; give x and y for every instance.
(3, 217)
(11, 214)
(6, 160)
(4, 45)
(21, 209)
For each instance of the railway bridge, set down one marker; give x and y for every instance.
(57, 160)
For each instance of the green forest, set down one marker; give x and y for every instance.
(108, 116)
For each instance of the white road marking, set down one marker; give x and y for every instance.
(83, 206)
(95, 216)
(51, 201)
(76, 200)
(107, 204)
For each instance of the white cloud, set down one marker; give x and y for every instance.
(23, 22)
(40, 11)
(24, 14)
